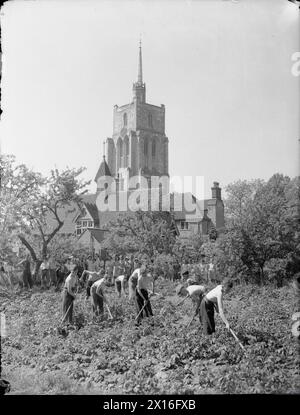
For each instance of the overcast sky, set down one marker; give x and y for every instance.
(221, 68)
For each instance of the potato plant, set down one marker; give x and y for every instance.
(102, 356)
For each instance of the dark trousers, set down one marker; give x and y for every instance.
(118, 286)
(67, 306)
(97, 303)
(206, 316)
(139, 302)
(88, 289)
(27, 279)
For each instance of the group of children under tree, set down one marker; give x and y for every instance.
(140, 289)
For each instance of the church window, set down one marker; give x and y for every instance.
(126, 152)
(125, 119)
(153, 148)
(146, 147)
(122, 184)
(150, 122)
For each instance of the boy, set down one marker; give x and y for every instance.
(68, 295)
(98, 296)
(195, 292)
(142, 300)
(211, 301)
(45, 272)
(92, 277)
(120, 283)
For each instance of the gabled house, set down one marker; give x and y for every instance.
(92, 238)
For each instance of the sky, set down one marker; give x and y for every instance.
(222, 69)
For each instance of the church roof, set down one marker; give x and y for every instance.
(103, 170)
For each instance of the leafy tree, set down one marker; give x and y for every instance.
(263, 225)
(19, 185)
(188, 249)
(33, 207)
(239, 200)
(63, 246)
(143, 233)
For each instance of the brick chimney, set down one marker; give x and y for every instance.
(216, 191)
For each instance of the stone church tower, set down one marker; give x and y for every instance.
(138, 146)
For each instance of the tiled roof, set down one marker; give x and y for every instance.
(103, 170)
(98, 234)
(184, 213)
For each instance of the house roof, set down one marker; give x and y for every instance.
(103, 170)
(98, 234)
(183, 213)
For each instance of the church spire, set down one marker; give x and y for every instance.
(139, 89)
(140, 69)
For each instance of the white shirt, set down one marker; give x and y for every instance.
(45, 265)
(98, 285)
(93, 276)
(51, 263)
(215, 295)
(70, 283)
(120, 278)
(195, 290)
(143, 281)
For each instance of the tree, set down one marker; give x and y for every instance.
(263, 225)
(143, 233)
(189, 249)
(239, 200)
(33, 207)
(19, 185)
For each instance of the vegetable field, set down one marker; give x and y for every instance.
(115, 357)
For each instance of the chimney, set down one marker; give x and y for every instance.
(216, 191)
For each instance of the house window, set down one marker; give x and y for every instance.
(84, 224)
(125, 119)
(90, 224)
(78, 224)
(184, 225)
(78, 231)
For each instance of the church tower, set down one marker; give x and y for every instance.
(138, 146)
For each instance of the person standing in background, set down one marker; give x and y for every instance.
(68, 296)
(45, 273)
(26, 274)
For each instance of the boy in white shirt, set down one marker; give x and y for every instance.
(195, 292)
(98, 296)
(142, 299)
(68, 295)
(213, 300)
(93, 276)
(120, 283)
